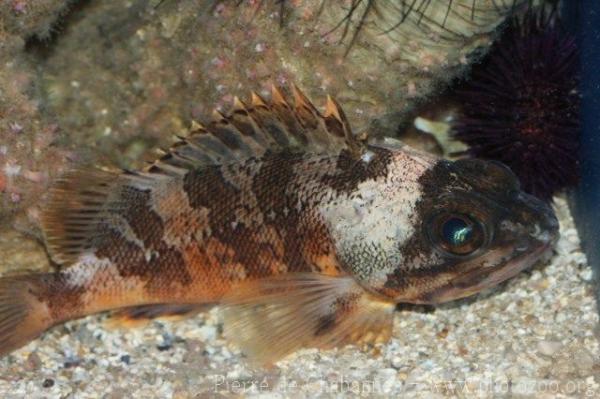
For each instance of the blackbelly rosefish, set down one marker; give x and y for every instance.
(306, 233)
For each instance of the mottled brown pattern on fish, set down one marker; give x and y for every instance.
(160, 267)
(252, 245)
(56, 292)
(255, 210)
(146, 224)
(257, 221)
(318, 248)
(182, 223)
(214, 270)
(277, 198)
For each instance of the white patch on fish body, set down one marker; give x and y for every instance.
(96, 275)
(380, 213)
(82, 272)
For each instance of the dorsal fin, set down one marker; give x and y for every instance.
(250, 130)
(75, 207)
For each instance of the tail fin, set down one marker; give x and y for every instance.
(23, 317)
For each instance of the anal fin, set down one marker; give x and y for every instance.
(273, 317)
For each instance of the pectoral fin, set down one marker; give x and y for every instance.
(273, 317)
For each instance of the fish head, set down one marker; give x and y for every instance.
(455, 229)
(476, 229)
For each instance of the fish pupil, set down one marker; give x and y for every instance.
(457, 232)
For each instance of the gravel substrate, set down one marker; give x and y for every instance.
(535, 336)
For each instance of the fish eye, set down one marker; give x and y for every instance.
(457, 234)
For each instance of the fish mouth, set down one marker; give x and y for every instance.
(479, 279)
(545, 222)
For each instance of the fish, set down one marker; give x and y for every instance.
(303, 232)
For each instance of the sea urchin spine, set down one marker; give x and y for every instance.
(521, 104)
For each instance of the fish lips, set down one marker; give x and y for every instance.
(545, 224)
(479, 279)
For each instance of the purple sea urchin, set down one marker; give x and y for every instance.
(521, 104)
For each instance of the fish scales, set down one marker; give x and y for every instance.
(305, 233)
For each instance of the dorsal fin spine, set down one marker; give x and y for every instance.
(238, 105)
(277, 97)
(250, 130)
(301, 101)
(257, 101)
